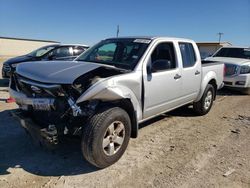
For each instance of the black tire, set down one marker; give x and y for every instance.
(96, 129)
(199, 107)
(246, 91)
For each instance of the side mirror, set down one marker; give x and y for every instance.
(160, 65)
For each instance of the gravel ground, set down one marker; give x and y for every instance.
(177, 149)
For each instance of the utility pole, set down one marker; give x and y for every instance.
(117, 31)
(220, 34)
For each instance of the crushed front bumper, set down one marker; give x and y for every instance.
(37, 103)
(47, 137)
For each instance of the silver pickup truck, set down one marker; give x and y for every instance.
(110, 89)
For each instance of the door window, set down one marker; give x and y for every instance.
(61, 52)
(187, 54)
(77, 50)
(163, 57)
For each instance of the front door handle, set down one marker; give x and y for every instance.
(177, 76)
(197, 72)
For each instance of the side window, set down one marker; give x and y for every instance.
(62, 52)
(247, 53)
(77, 50)
(163, 57)
(41, 52)
(188, 54)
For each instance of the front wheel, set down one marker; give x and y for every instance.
(106, 136)
(204, 105)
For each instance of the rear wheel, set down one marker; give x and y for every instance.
(204, 105)
(106, 136)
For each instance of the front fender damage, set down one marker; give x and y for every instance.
(74, 104)
(110, 90)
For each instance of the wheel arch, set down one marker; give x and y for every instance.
(126, 105)
(117, 95)
(214, 84)
(210, 78)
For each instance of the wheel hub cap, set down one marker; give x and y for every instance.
(113, 138)
(208, 100)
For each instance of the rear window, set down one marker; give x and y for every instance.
(234, 52)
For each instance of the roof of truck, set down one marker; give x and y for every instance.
(150, 38)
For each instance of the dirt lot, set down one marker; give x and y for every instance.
(177, 149)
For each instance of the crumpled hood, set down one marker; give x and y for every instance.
(228, 60)
(56, 72)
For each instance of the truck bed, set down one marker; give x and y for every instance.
(216, 68)
(204, 62)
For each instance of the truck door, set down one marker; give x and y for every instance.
(162, 80)
(191, 72)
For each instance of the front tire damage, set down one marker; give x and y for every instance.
(106, 136)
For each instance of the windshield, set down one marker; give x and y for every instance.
(121, 53)
(41, 51)
(233, 52)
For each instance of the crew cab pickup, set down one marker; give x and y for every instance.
(110, 89)
(237, 67)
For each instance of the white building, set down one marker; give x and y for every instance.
(208, 48)
(10, 47)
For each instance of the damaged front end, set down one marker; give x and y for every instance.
(52, 109)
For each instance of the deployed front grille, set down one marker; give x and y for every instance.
(230, 69)
(6, 68)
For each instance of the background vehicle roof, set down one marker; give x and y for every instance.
(236, 47)
(83, 45)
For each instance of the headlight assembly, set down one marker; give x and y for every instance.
(245, 69)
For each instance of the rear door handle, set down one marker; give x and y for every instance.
(197, 72)
(177, 76)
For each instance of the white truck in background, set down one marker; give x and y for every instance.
(237, 67)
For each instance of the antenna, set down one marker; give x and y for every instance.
(220, 34)
(117, 31)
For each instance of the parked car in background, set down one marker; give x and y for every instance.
(107, 91)
(237, 67)
(46, 53)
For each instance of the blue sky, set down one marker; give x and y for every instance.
(88, 21)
